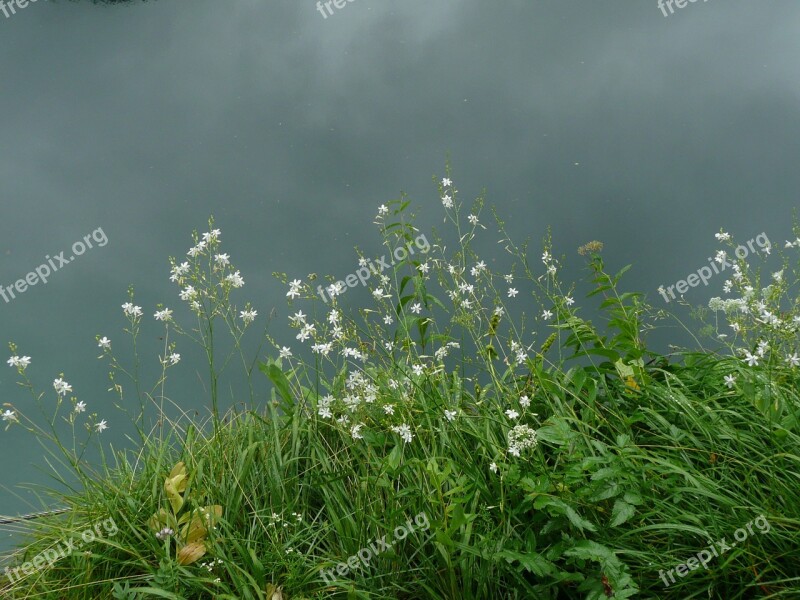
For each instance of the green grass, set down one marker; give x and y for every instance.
(634, 462)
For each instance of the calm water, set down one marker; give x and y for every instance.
(135, 121)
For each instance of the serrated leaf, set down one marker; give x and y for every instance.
(621, 512)
(578, 520)
(589, 550)
(531, 561)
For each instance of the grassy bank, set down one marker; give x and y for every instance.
(467, 435)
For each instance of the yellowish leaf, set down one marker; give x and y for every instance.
(191, 553)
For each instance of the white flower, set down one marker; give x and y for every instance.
(388, 409)
(424, 267)
(104, 343)
(355, 431)
(61, 387)
(388, 320)
(447, 201)
(198, 249)
(174, 358)
(179, 271)
(222, 260)
(9, 415)
(493, 467)
(248, 316)
(416, 308)
(512, 414)
(188, 293)
(80, 407)
(323, 349)
(450, 415)
(418, 369)
(131, 310)
(101, 426)
(446, 182)
(163, 315)
(298, 318)
(294, 288)
(499, 311)
(212, 236)
(569, 300)
(512, 292)
(722, 236)
(546, 314)
(19, 362)
(524, 401)
(335, 289)
(235, 279)
(383, 209)
(778, 276)
(720, 256)
(546, 257)
(751, 359)
(793, 360)
(285, 352)
(521, 437)
(404, 431)
(305, 332)
(473, 219)
(730, 380)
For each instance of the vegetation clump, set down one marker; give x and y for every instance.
(551, 458)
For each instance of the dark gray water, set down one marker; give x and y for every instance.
(606, 120)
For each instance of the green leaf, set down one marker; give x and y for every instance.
(578, 520)
(531, 561)
(589, 550)
(394, 458)
(621, 512)
(280, 382)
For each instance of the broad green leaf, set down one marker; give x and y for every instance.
(621, 512)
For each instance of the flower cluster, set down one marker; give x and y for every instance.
(763, 319)
(379, 372)
(521, 437)
(61, 387)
